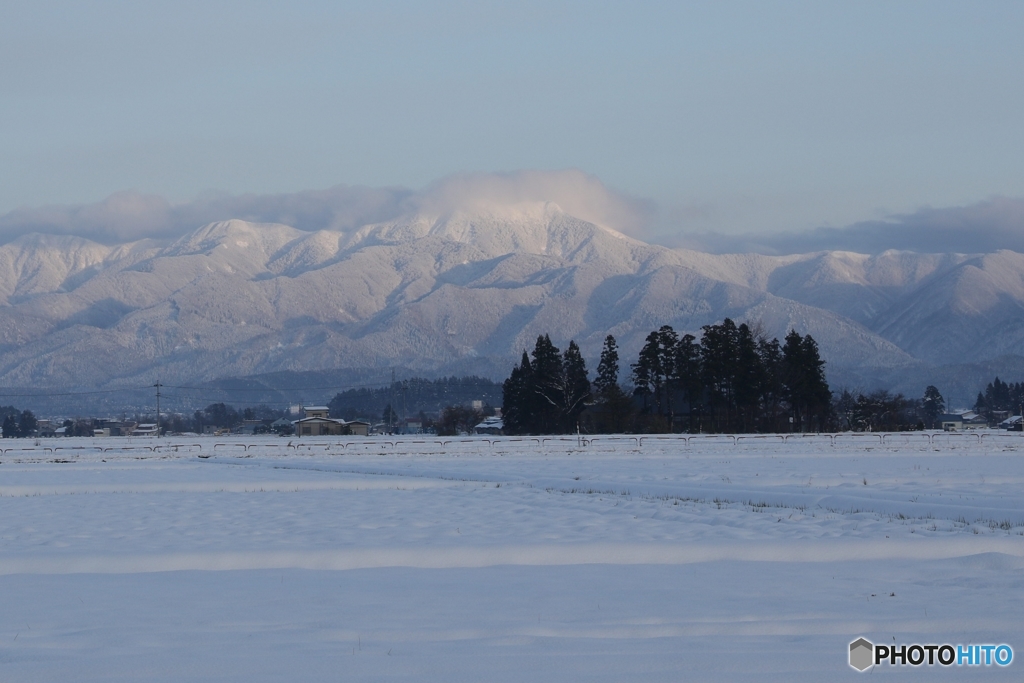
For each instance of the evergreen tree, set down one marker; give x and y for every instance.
(804, 382)
(1000, 397)
(575, 387)
(548, 387)
(612, 410)
(654, 370)
(643, 370)
(608, 367)
(547, 394)
(749, 377)
(686, 377)
(719, 349)
(27, 423)
(735, 375)
(818, 397)
(517, 399)
(772, 390)
(10, 427)
(932, 405)
(997, 395)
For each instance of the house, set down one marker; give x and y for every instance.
(317, 411)
(955, 422)
(321, 425)
(491, 425)
(950, 422)
(281, 425)
(45, 428)
(973, 421)
(145, 429)
(251, 427)
(107, 426)
(1013, 423)
(358, 428)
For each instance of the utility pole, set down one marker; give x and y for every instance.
(158, 385)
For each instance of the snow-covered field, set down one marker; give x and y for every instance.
(427, 559)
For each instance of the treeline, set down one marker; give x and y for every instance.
(17, 423)
(414, 396)
(215, 415)
(546, 395)
(883, 411)
(222, 416)
(732, 380)
(1000, 399)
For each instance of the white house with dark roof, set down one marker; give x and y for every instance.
(318, 423)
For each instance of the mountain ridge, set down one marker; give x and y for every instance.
(465, 286)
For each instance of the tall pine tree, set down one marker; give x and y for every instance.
(517, 399)
(575, 387)
(608, 367)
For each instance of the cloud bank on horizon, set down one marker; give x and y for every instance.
(990, 225)
(131, 215)
(983, 227)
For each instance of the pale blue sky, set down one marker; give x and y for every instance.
(731, 116)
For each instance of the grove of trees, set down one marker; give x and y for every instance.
(1000, 397)
(546, 394)
(17, 423)
(413, 396)
(732, 380)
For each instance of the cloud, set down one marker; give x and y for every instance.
(131, 215)
(996, 223)
(575, 192)
(121, 216)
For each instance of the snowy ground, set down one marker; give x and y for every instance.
(417, 559)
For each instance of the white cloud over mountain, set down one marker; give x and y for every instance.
(987, 226)
(983, 227)
(131, 215)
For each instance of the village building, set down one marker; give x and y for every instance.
(1014, 423)
(145, 429)
(492, 425)
(956, 422)
(317, 423)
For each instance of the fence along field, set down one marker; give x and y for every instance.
(78, 447)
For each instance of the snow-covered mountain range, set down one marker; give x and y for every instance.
(465, 290)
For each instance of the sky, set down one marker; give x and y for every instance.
(732, 118)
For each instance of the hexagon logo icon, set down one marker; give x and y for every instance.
(861, 654)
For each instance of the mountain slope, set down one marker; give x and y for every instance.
(454, 290)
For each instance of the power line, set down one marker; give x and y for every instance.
(69, 393)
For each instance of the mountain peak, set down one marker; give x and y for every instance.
(468, 282)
